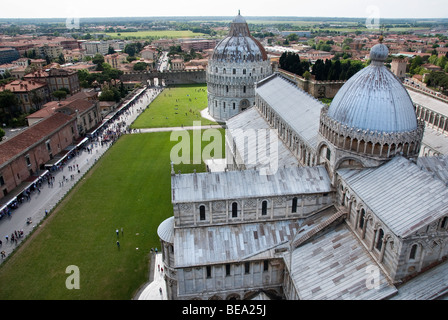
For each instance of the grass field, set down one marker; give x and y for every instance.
(156, 34)
(128, 188)
(174, 107)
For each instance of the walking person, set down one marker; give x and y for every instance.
(118, 245)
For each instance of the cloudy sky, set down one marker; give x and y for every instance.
(300, 8)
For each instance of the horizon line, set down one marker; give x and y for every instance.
(222, 16)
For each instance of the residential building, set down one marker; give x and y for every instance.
(57, 79)
(25, 154)
(86, 111)
(30, 94)
(8, 55)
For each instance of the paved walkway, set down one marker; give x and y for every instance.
(156, 288)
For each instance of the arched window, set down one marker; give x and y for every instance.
(216, 70)
(244, 71)
(379, 242)
(224, 71)
(234, 71)
(264, 208)
(362, 218)
(294, 205)
(244, 89)
(413, 252)
(201, 213)
(227, 88)
(444, 223)
(234, 210)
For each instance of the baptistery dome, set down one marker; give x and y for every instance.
(237, 63)
(374, 99)
(239, 46)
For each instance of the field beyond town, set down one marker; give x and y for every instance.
(173, 34)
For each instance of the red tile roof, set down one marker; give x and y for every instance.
(34, 134)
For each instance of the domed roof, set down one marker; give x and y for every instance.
(239, 45)
(374, 99)
(165, 231)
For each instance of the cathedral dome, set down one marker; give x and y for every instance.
(374, 99)
(239, 46)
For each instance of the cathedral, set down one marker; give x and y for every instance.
(337, 205)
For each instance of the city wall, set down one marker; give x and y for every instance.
(318, 89)
(168, 77)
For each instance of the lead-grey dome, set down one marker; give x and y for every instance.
(374, 99)
(165, 231)
(239, 45)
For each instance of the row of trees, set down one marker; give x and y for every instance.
(328, 70)
(186, 55)
(291, 62)
(438, 80)
(336, 70)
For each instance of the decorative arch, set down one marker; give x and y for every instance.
(233, 296)
(341, 163)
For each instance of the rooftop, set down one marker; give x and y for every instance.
(333, 267)
(297, 108)
(414, 197)
(198, 187)
(15, 146)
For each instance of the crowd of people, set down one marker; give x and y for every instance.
(105, 135)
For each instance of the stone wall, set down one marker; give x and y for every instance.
(318, 89)
(249, 210)
(234, 281)
(168, 77)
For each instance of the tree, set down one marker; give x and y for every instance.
(318, 70)
(111, 94)
(8, 100)
(335, 70)
(140, 66)
(111, 50)
(60, 94)
(292, 37)
(2, 134)
(61, 59)
(98, 59)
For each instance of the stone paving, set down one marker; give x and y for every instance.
(156, 288)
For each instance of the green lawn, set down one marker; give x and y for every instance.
(156, 34)
(174, 107)
(128, 188)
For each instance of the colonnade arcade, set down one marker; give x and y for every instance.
(377, 144)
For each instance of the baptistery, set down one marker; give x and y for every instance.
(237, 63)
